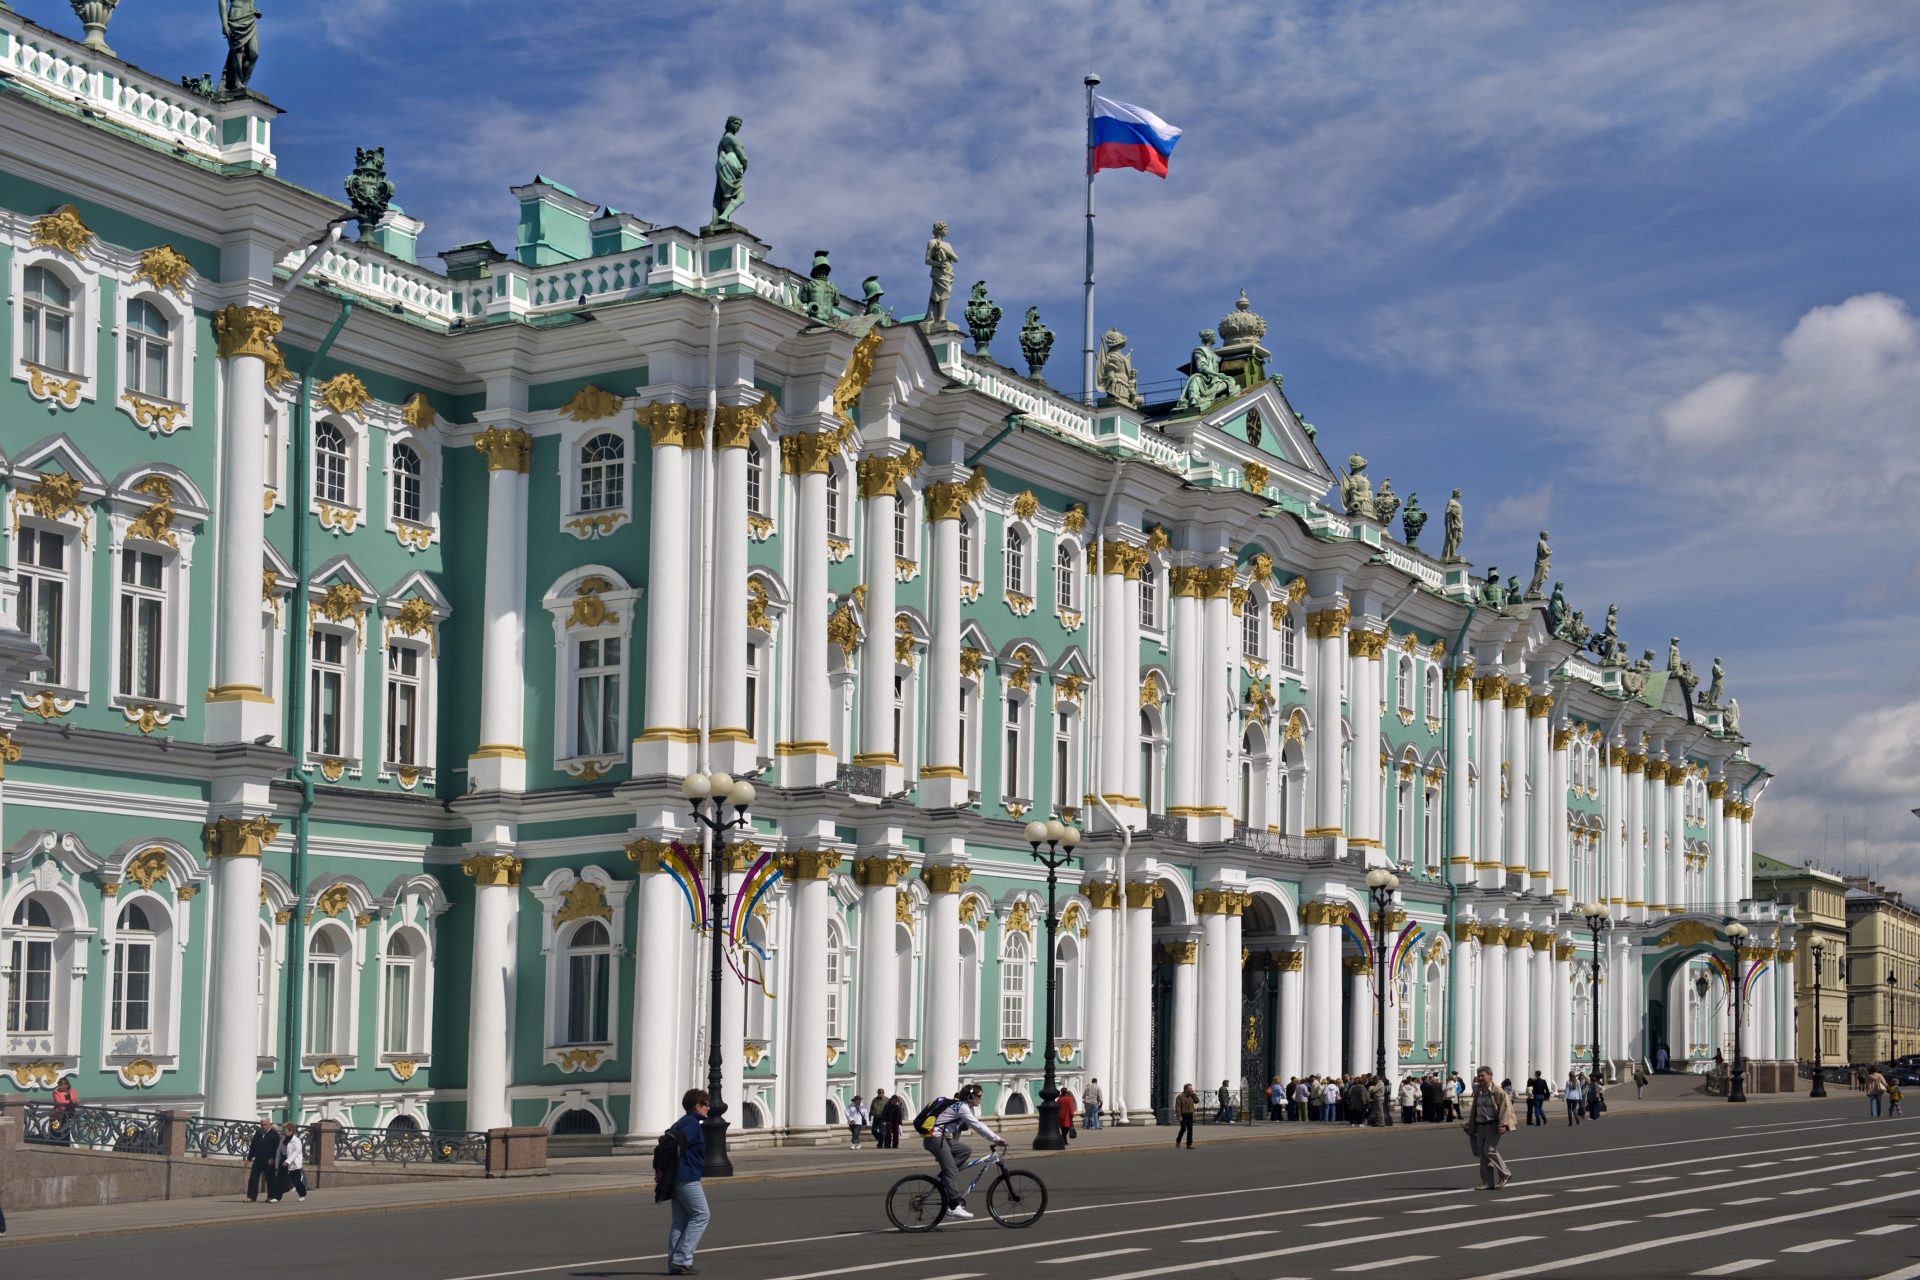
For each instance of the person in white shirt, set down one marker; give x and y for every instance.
(950, 1153)
(293, 1159)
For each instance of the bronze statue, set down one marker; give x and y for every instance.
(1114, 374)
(1413, 520)
(1036, 344)
(1356, 491)
(983, 319)
(240, 23)
(818, 296)
(1557, 610)
(1490, 593)
(1206, 386)
(729, 176)
(1386, 503)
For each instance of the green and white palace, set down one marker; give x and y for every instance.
(354, 626)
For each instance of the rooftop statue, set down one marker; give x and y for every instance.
(1557, 609)
(1607, 643)
(1356, 491)
(1114, 374)
(729, 177)
(1542, 560)
(1717, 685)
(1634, 679)
(1688, 680)
(1386, 503)
(1413, 519)
(368, 189)
(1036, 343)
(871, 293)
(94, 15)
(1206, 386)
(1490, 592)
(1577, 629)
(940, 260)
(818, 295)
(1673, 653)
(983, 319)
(1732, 718)
(1455, 528)
(1514, 594)
(240, 24)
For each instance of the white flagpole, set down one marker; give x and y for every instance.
(1086, 320)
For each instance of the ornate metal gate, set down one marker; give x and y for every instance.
(1259, 1001)
(1162, 1040)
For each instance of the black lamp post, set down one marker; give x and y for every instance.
(1819, 1089)
(1598, 921)
(709, 794)
(1060, 840)
(1381, 884)
(1737, 1087)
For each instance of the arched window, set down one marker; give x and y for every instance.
(1403, 996)
(1150, 598)
(48, 317)
(1253, 629)
(1016, 977)
(1065, 575)
(836, 516)
(1013, 754)
(836, 985)
(1436, 1019)
(1406, 854)
(30, 966)
(968, 572)
(1582, 1011)
(402, 986)
(1066, 977)
(759, 1015)
(133, 970)
(263, 992)
(1433, 690)
(578, 1120)
(149, 344)
(330, 455)
(903, 976)
(1403, 696)
(603, 472)
(589, 956)
(1289, 641)
(756, 479)
(1430, 834)
(403, 1124)
(969, 984)
(407, 497)
(902, 526)
(326, 954)
(1016, 562)
(1252, 769)
(1149, 763)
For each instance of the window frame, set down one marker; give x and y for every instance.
(1014, 556)
(58, 386)
(1015, 1013)
(600, 962)
(620, 602)
(344, 1029)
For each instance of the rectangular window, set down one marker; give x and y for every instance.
(1148, 790)
(899, 718)
(1289, 645)
(756, 480)
(399, 1009)
(1011, 768)
(1062, 759)
(1150, 601)
(133, 986)
(320, 997)
(142, 619)
(30, 986)
(43, 598)
(753, 691)
(326, 694)
(586, 998)
(597, 680)
(1013, 1000)
(836, 1028)
(403, 704)
(901, 547)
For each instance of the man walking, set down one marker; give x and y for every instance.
(1538, 1091)
(1184, 1106)
(1489, 1114)
(1093, 1100)
(690, 1212)
(262, 1153)
(1225, 1114)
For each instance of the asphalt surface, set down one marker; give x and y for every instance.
(1798, 1189)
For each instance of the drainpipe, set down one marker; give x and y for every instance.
(1013, 422)
(1448, 817)
(295, 682)
(1098, 790)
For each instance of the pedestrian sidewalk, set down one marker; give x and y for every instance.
(632, 1175)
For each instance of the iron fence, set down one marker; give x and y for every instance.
(410, 1146)
(96, 1128)
(212, 1136)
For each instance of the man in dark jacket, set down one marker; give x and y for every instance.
(263, 1153)
(690, 1212)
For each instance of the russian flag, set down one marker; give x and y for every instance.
(1123, 136)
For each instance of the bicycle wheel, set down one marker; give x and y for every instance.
(1016, 1198)
(916, 1203)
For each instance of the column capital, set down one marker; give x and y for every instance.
(1354, 966)
(1181, 952)
(672, 425)
(1123, 558)
(945, 878)
(1103, 894)
(1367, 644)
(946, 500)
(1636, 763)
(507, 448)
(1463, 678)
(1142, 894)
(1562, 738)
(247, 331)
(734, 424)
(881, 871)
(1716, 790)
(808, 453)
(1326, 623)
(881, 474)
(1515, 696)
(238, 837)
(1468, 931)
(810, 864)
(1563, 951)
(1322, 913)
(1538, 705)
(1287, 961)
(493, 870)
(1489, 688)
(647, 855)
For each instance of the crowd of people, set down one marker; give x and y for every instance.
(1420, 1099)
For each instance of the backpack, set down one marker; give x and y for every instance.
(924, 1121)
(666, 1163)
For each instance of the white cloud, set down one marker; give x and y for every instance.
(1523, 512)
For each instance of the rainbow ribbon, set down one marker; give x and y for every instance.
(1409, 937)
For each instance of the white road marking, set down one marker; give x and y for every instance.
(1558, 1265)
(1734, 1268)
(1602, 1226)
(1707, 1173)
(1798, 1159)
(1341, 1222)
(1663, 1178)
(1388, 1262)
(1238, 1235)
(1677, 1213)
(1089, 1257)
(1893, 1175)
(1538, 1195)
(1814, 1246)
(1904, 1273)
(1750, 1200)
(1888, 1230)
(1852, 1182)
(1760, 1164)
(1598, 1186)
(1438, 1208)
(960, 1275)
(1501, 1244)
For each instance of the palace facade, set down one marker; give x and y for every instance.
(356, 640)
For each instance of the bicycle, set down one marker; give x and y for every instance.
(1015, 1198)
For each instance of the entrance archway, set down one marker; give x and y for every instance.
(1685, 1025)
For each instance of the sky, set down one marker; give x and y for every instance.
(1643, 274)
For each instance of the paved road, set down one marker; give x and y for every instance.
(1787, 1190)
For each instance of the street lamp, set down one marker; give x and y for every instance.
(708, 794)
(1737, 1087)
(1819, 1089)
(1061, 840)
(1381, 884)
(1598, 921)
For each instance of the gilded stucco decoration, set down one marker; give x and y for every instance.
(1075, 520)
(332, 902)
(734, 424)
(415, 618)
(507, 448)
(847, 389)
(1689, 933)
(1158, 541)
(159, 418)
(757, 619)
(589, 610)
(344, 393)
(155, 524)
(341, 602)
(146, 868)
(1025, 504)
(971, 661)
(54, 496)
(1150, 691)
(1019, 919)
(590, 404)
(1021, 677)
(903, 641)
(417, 413)
(9, 752)
(945, 501)
(882, 476)
(165, 268)
(584, 899)
(1256, 478)
(63, 230)
(45, 385)
(670, 424)
(843, 632)
(247, 331)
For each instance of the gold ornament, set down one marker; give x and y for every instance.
(507, 448)
(63, 230)
(590, 404)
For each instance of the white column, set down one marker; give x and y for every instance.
(1360, 1014)
(238, 708)
(1189, 649)
(1363, 714)
(1465, 969)
(1460, 852)
(731, 749)
(1659, 855)
(1546, 1009)
(1321, 1005)
(1635, 782)
(1291, 1061)
(733, 1000)
(658, 949)
(1492, 995)
(940, 1034)
(879, 977)
(1718, 881)
(1121, 658)
(1676, 837)
(1217, 719)
(1784, 1047)
(1327, 626)
(1547, 801)
(1186, 1020)
(1562, 995)
(1612, 846)
(1231, 996)
(1116, 682)
(1519, 832)
(1489, 861)
(1562, 878)
(1102, 969)
(802, 1053)
(1136, 1081)
(665, 743)
(1216, 1026)
(880, 478)
(1519, 1006)
(943, 779)
(806, 759)
(496, 885)
(233, 845)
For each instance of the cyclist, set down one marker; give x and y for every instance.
(949, 1152)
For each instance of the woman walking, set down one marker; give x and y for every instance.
(1573, 1097)
(896, 1115)
(856, 1117)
